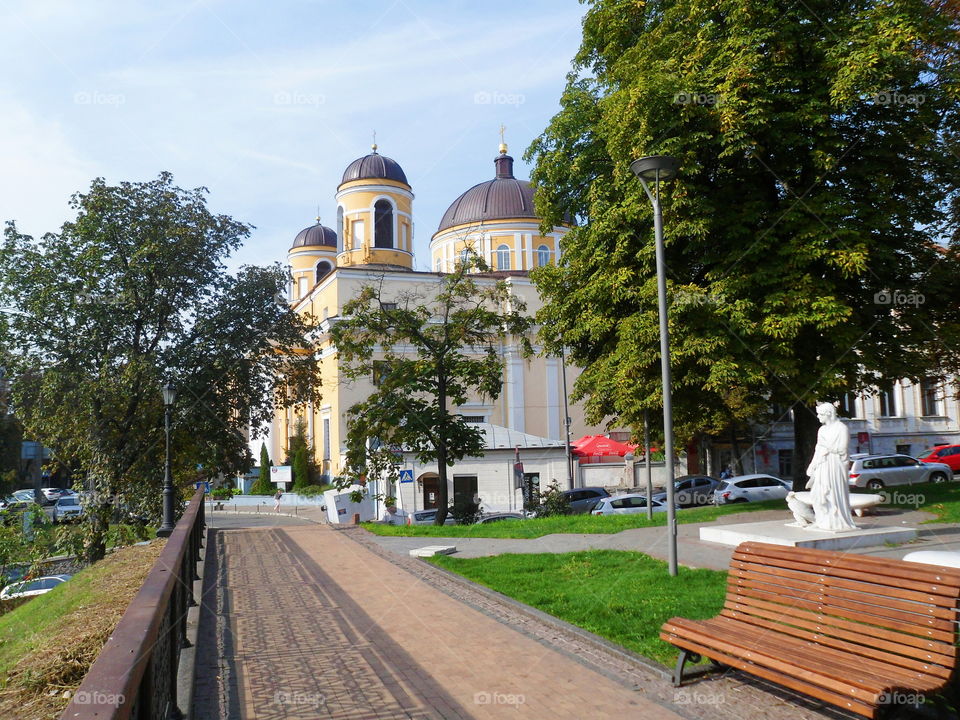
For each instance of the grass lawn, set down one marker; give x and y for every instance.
(942, 499)
(622, 596)
(48, 643)
(601, 524)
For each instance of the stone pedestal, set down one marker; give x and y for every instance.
(776, 533)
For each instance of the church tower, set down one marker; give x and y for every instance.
(374, 214)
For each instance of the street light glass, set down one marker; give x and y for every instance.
(647, 168)
(169, 394)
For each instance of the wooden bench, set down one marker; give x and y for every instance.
(858, 632)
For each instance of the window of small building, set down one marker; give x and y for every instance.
(381, 368)
(543, 256)
(383, 224)
(785, 463)
(503, 258)
(357, 234)
(929, 397)
(888, 400)
(323, 269)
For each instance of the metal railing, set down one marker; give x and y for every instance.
(135, 675)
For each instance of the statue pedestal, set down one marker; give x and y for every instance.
(777, 533)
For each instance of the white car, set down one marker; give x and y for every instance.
(627, 504)
(51, 494)
(29, 588)
(750, 488)
(67, 507)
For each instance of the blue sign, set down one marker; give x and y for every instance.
(406, 476)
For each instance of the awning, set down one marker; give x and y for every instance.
(590, 445)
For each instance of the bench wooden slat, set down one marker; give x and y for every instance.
(845, 666)
(931, 664)
(859, 573)
(842, 700)
(878, 567)
(832, 581)
(918, 608)
(859, 612)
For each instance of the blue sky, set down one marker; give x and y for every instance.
(267, 103)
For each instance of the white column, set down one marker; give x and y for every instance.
(528, 239)
(515, 390)
(553, 399)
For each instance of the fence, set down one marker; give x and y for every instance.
(135, 675)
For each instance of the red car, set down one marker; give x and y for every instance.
(946, 454)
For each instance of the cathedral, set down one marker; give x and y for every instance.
(373, 242)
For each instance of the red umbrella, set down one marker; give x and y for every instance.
(600, 445)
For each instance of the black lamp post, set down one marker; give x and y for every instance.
(169, 395)
(654, 169)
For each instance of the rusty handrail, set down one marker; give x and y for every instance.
(135, 674)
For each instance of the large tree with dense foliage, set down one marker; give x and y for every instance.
(429, 349)
(818, 164)
(131, 293)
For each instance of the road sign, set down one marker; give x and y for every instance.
(406, 476)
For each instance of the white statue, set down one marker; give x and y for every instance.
(827, 505)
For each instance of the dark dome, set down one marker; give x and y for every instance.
(374, 165)
(315, 235)
(502, 198)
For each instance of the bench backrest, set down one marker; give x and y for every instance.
(897, 612)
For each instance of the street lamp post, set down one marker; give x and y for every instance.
(654, 169)
(169, 395)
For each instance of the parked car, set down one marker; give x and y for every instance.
(427, 517)
(627, 504)
(750, 488)
(67, 507)
(51, 494)
(876, 472)
(26, 495)
(29, 588)
(946, 454)
(583, 499)
(691, 490)
(499, 517)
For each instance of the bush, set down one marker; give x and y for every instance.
(312, 490)
(553, 502)
(466, 512)
(222, 494)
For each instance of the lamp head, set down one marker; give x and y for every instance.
(655, 167)
(169, 393)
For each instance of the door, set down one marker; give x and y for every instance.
(464, 489)
(431, 493)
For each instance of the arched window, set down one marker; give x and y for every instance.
(543, 256)
(383, 224)
(465, 256)
(357, 234)
(323, 269)
(503, 258)
(438, 265)
(340, 238)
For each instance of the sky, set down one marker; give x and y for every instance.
(266, 104)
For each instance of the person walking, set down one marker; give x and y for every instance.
(276, 500)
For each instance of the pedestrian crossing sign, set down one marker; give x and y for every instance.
(406, 476)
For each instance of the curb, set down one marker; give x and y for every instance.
(266, 514)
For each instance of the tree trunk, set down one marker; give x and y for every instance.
(805, 428)
(442, 495)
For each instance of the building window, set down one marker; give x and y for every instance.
(781, 413)
(326, 438)
(848, 405)
(543, 256)
(785, 463)
(438, 265)
(388, 306)
(503, 258)
(474, 419)
(929, 397)
(340, 229)
(383, 224)
(303, 287)
(903, 449)
(323, 269)
(464, 256)
(464, 489)
(888, 400)
(380, 370)
(403, 237)
(357, 234)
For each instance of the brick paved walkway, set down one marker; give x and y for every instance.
(304, 622)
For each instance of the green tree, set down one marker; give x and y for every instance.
(301, 456)
(132, 292)
(428, 349)
(263, 486)
(818, 163)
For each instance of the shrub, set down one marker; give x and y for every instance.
(466, 512)
(222, 494)
(311, 490)
(553, 502)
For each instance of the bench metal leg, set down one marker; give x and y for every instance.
(681, 661)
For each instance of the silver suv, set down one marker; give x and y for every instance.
(876, 472)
